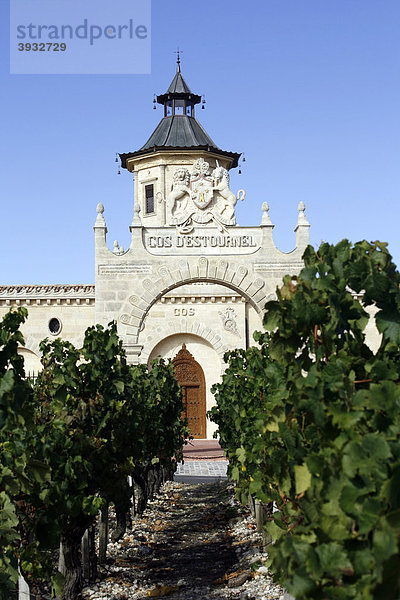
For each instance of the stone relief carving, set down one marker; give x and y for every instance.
(221, 185)
(201, 197)
(82, 291)
(176, 200)
(229, 321)
(185, 367)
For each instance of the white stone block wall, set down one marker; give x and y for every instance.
(73, 306)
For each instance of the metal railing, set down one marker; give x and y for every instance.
(31, 376)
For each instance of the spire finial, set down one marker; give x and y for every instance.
(302, 227)
(265, 217)
(178, 59)
(302, 220)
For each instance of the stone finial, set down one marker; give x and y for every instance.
(265, 217)
(100, 222)
(302, 228)
(302, 219)
(117, 249)
(121, 250)
(137, 221)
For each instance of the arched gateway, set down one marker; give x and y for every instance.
(191, 276)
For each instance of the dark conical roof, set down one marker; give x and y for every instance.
(179, 131)
(178, 89)
(178, 85)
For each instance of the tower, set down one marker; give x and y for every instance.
(161, 166)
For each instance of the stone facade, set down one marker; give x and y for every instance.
(212, 300)
(206, 288)
(71, 308)
(190, 277)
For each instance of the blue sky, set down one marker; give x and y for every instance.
(308, 89)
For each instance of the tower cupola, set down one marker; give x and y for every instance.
(178, 155)
(179, 129)
(178, 99)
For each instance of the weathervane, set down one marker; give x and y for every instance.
(178, 59)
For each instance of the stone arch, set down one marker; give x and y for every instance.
(32, 344)
(203, 352)
(32, 364)
(181, 327)
(211, 270)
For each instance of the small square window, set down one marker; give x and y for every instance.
(149, 197)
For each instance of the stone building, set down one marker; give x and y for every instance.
(192, 284)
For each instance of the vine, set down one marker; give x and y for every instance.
(68, 446)
(23, 477)
(310, 421)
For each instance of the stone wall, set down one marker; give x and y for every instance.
(73, 307)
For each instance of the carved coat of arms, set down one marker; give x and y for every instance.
(202, 192)
(201, 197)
(229, 321)
(201, 184)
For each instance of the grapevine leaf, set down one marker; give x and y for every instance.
(302, 478)
(388, 323)
(333, 559)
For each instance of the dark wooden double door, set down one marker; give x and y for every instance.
(191, 379)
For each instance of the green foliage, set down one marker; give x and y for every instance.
(96, 420)
(77, 399)
(166, 431)
(243, 413)
(68, 448)
(21, 474)
(310, 420)
(97, 417)
(162, 429)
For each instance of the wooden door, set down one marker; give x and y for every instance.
(191, 379)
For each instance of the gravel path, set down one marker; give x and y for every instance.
(193, 542)
(208, 468)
